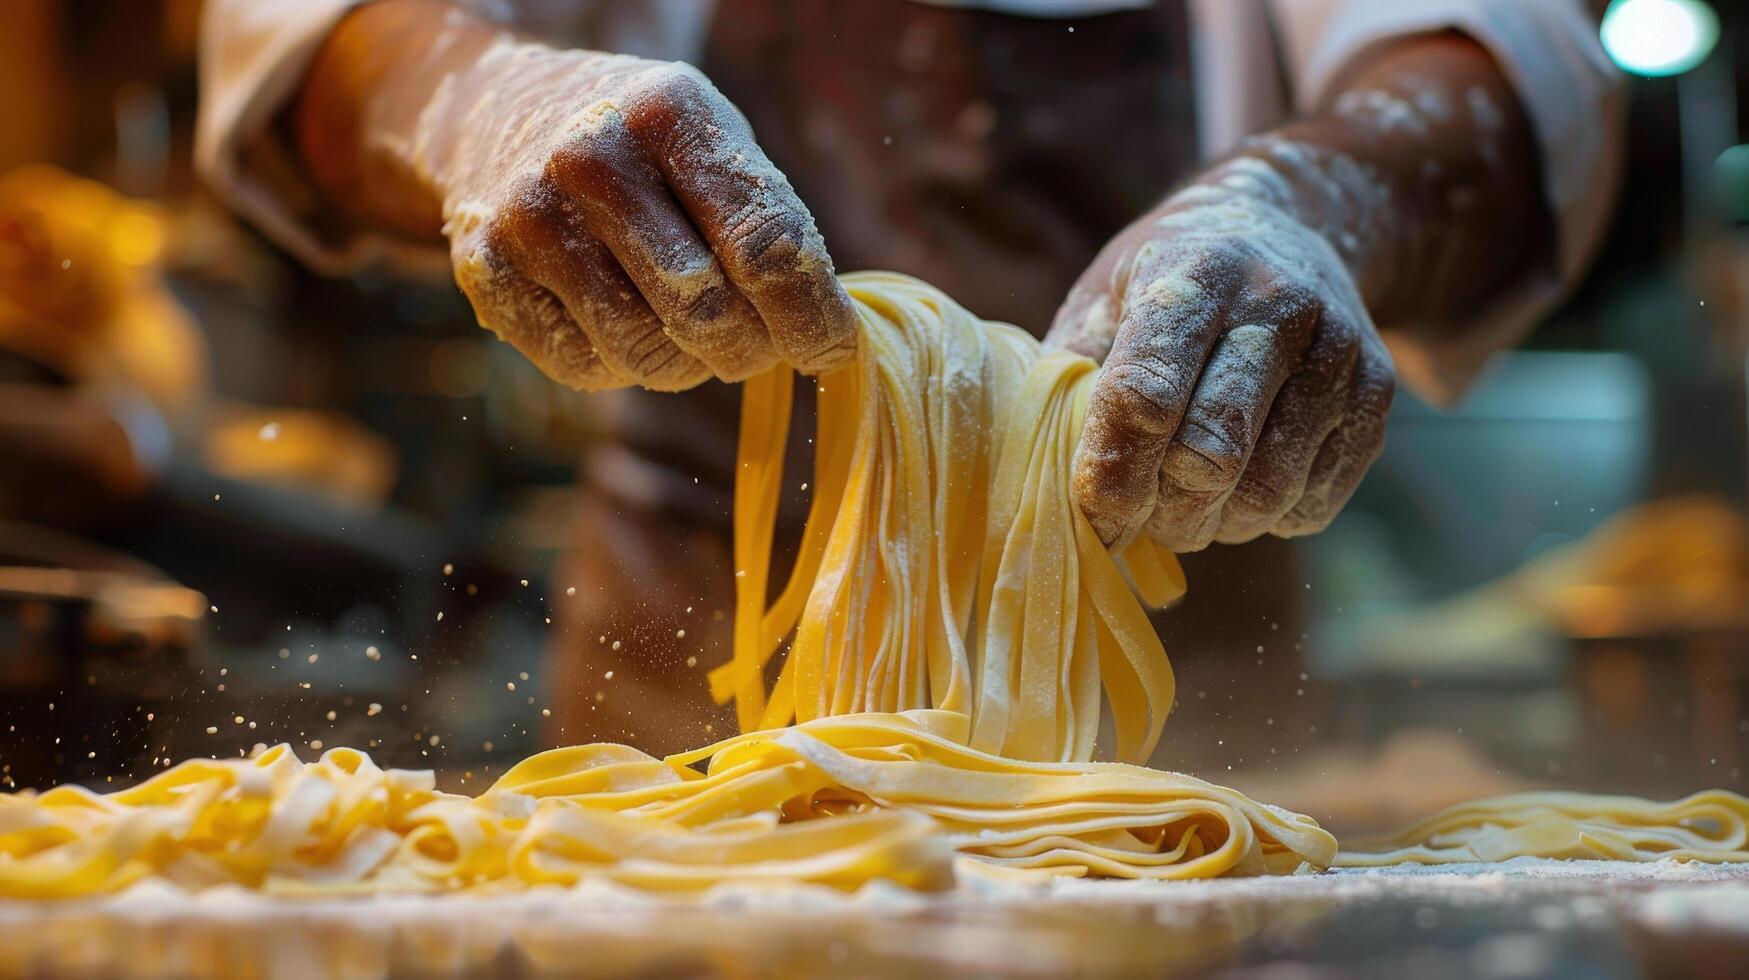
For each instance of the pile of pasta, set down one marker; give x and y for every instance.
(838, 801)
(1711, 826)
(951, 627)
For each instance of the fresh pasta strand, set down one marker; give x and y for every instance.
(944, 563)
(838, 801)
(1711, 826)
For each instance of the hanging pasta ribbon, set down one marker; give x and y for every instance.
(944, 562)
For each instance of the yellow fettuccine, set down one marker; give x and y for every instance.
(945, 563)
(838, 801)
(1708, 826)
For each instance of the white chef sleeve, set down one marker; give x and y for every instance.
(1572, 94)
(253, 56)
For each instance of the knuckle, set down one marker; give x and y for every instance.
(671, 99)
(1262, 492)
(709, 302)
(539, 196)
(645, 348)
(1283, 298)
(1374, 389)
(834, 355)
(771, 241)
(830, 342)
(1303, 519)
(1164, 299)
(1109, 491)
(647, 357)
(571, 361)
(1237, 532)
(1343, 343)
(1181, 530)
(1203, 459)
(678, 84)
(482, 265)
(1385, 386)
(645, 82)
(506, 232)
(1099, 472)
(596, 380)
(1086, 326)
(1367, 443)
(1250, 348)
(533, 323)
(1176, 299)
(1224, 262)
(1138, 392)
(1241, 522)
(674, 107)
(1329, 370)
(586, 161)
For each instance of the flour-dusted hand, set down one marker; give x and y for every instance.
(1247, 384)
(1244, 388)
(610, 216)
(613, 218)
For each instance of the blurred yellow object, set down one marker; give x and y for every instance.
(81, 289)
(1675, 564)
(323, 452)
(1678, 566)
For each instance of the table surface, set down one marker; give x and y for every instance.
(1523, 918)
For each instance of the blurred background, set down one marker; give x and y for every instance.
(242, 504)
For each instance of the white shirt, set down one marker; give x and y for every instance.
(255, 53)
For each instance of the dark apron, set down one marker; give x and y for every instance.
(990, 154)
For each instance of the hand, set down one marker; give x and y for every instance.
(1245, 389)
(609, 216)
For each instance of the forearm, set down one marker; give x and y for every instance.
(1422, 173)
(356, 120)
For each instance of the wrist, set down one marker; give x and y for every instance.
(1297, 172)
(357, 117)
(513, 110)
(1454, 213)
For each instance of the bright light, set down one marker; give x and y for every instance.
(1659, 37)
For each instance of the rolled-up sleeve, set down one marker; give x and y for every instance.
(1571, 92)
(253, 57)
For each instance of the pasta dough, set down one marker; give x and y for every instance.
(1707, 826)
